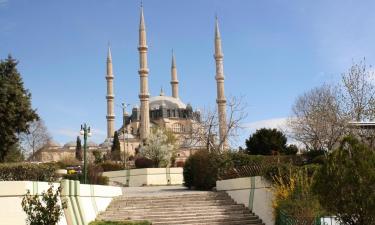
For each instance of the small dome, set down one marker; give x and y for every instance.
(52, 143)
(167, 102)
(106, 144)
(70, 144)
(92, 144)
(189, 107)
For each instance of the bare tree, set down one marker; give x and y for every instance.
(204, 132)
(317, 120)
(35, 138)
(358, 92)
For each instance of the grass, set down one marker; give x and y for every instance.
(120, 223)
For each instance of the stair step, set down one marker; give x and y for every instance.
(196, 208)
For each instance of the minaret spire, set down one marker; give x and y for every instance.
(143, 73)
(221, 100)
(110, 96)
(174, 80)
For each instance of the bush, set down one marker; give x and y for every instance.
(180, 164)
(94, 175)
(120, 223)
(345, 183)
(143, 162)
(28, 172)
(201, 169)
(44, 209)
(293, 197)
(111, 166)
(68, 161)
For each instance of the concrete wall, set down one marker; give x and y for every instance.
(253, 192)
(84, 201)
(147, 176)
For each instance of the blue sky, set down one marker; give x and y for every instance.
(274, 50)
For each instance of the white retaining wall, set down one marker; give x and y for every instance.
(84, 201)
(147, 176)
(253, 192)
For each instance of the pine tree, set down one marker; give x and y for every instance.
(78, 149)
(115, 150)
(15, 106)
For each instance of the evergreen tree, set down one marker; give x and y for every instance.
(266, 142)
(15, 107)
(115, 150)
(78, 149)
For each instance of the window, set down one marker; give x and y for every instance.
(178, 128)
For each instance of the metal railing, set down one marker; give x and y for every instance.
(284, 219)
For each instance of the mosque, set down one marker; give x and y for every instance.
(167, 112)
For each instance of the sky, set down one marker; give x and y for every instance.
(274, 51)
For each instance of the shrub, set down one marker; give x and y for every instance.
(98, 158)
(44, 209)
(111, 166)
(94, 175)
(27, 172)
(293, 197)
(201, 169)
(180, 164)
(68, 161)
(120, 223)
(143, 162)
(345, 183)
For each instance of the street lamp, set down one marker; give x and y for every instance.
(85, 131)
(125, 132)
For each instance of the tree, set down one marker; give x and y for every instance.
(266, 142)
(15, 106)
(290, 150)
(345, 184)
(358, 92)
(158, 148)
(115, 149)
(318, 121)
(44, 209)
(205, 130)
(35, 138)
(78, 149)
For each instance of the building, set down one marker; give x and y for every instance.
(168, 112)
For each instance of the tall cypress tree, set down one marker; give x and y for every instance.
(115, 150)
(15, 107)
(78, 149)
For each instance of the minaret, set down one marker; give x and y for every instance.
(143, 73)
(221, 101)
(174, 81)
(110, 97)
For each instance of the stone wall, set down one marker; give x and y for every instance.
(85, 202)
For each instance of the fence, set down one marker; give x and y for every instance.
(284, 219)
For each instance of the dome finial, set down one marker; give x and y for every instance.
(161, 91)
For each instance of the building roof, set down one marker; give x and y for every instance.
(53, 143)
(167, 102)
(70, 144)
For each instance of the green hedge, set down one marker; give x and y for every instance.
(28, 172)
(120, 223)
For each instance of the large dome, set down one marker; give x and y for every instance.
(167, 102)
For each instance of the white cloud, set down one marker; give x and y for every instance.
(278, 123)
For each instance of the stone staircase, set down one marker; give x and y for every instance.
(194, 207)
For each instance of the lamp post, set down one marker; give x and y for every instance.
(124, 132)
(85, 131)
